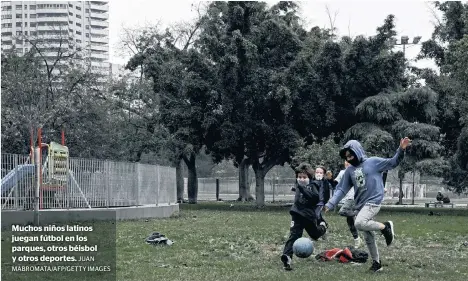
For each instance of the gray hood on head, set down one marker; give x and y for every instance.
(356, 147)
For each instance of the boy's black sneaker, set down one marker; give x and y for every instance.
(286, 262)
(388, 232)
(325, 225)
(376, 266)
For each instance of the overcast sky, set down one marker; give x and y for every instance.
(353, 18)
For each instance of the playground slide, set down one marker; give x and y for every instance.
(14, 176)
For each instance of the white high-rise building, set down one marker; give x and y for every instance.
(74, 27)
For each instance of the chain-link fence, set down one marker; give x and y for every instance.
(88, 183)
(280, 189)
(275, 189)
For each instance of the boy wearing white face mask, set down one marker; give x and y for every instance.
(323, 189)
(303, 212)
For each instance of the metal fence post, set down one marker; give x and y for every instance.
(16, 188)
(107, 183)
(137, 183)
(159, 184)
(217, 189)
(38, 184)
(274, 183)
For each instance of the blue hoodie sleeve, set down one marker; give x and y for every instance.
(385, 164)
(341, 190)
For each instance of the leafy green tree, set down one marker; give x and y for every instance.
(323, 154)
(448, 46)
(388, 117)
(252, 45)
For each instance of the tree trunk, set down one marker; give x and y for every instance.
(180, 181)
(260, 187)
(384, 178)
(244, 187)
(261, 169)
(412, 196)
(192, 185)
(400, 194)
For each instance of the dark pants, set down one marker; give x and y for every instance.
(298, 224)
(352, 228)
(318, 212)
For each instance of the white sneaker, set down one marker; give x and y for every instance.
(357, 242)
(324, 224)
(287, 261)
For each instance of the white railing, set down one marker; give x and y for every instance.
(91, 183)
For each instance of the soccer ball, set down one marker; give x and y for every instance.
(303, 247)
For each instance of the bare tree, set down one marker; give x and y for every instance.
(436, 18)
(39, 87)
(332, 20)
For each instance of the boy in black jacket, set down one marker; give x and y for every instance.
(303, 212)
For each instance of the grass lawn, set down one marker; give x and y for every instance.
(241, 244)
(214, 241)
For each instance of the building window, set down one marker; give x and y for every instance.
(19, 24)
(78, 8)
(18, 7)
(87, 11)
(87, 34)
(78, 16)
(6, 17)
(70, 14)
(32, 7)
(26, 33)
(25, 24)
(6, 8)
(19, 32)
(19, 16)
(78, 24)
(77, 32)
(32, 16)
(32, 24)
(78, 41)
(87, 27)
(70, 22)
(25, 16)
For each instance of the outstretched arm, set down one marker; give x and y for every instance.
(341, 190)
(385, 164)
(309, 192)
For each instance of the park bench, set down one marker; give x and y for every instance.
(438, 204)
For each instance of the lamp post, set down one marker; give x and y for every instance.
(405, 41)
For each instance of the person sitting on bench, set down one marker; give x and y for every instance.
(442, 198)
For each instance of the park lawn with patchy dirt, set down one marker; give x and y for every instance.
(217, 241)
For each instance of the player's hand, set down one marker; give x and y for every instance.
(404, 143)
(325, 209)
(329, 175)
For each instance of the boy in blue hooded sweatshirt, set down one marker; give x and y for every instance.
(365, 174)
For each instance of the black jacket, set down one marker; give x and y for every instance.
(324, 187)
(305, 201)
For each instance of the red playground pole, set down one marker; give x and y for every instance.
(63, 137)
